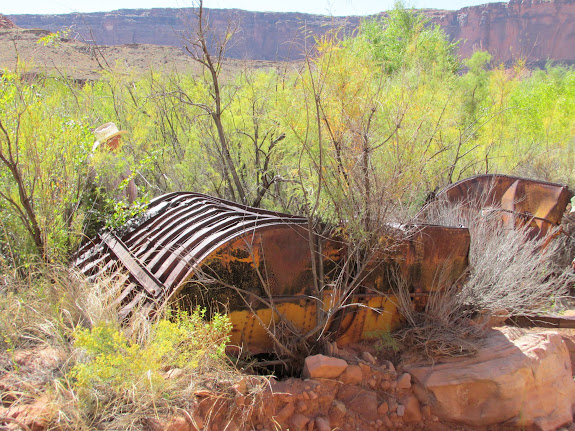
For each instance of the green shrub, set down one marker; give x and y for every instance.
(113, 361)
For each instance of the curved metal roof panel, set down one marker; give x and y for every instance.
(175, 234)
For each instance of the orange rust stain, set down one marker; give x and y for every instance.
(377, 314)
(301, 314)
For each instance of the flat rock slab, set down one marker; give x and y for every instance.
(517, 378)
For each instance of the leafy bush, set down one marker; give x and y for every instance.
(113, 361)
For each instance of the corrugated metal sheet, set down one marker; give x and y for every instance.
(179, 231)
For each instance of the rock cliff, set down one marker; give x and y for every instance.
(259, 36)
(534, 30)
(6, 23)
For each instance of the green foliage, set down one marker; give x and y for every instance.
(114, 362)
(475, 86)
(383, 116)
(54, 39)
(121, 212)
(44, 148)
(405, 39)
(384, 341)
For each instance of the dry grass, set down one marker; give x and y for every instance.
(509, 269)
(442, 330)
(42, 313)
(510, 273)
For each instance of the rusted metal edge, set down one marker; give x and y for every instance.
(528, 199)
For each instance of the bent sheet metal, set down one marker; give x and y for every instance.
(201, 250)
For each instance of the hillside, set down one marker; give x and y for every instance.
(6, 23)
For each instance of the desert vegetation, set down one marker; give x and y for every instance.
(354, 138)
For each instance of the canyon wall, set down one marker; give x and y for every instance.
(536, 31)
(259, 35)
(6, 23)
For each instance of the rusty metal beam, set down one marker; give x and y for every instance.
(140, 273)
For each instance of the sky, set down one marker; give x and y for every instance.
(324, 7)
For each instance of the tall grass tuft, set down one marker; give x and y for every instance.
(110, 374)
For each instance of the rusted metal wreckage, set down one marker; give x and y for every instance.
(539, 205)
(196, 248)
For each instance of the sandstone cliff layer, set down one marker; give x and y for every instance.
(6, 23)
(259, 36)
(536, 31)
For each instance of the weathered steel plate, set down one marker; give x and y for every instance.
(520, 201)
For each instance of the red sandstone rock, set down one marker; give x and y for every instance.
(322, 424)
(36, 416)
(352, 375)
(570, 343)
(426, 412)
(365, 370)
(533, 30)
(388, 366)
(301, 407)
(263, 35)
(174, 373)
(320, 366)
(404, 381)
(392, 404)
(383, 408)
(368, 357)
(6, 23)
(522, 380)
(337, 413)
(197, 420)
(285, 413)
(179, 424)
(365, 405)
(387, 422)
(412, 409)
(298, 422)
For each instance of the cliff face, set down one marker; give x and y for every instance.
(259, 36)
(6, 23)
(533, 30)
(536, 31)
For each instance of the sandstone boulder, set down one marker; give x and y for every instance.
(404, 381)
(517, 378)
(569, 338)
(320, 366)
(365, 405)
(322, 424)
(352, 375)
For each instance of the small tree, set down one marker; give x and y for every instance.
(199, 47)
(43, 169)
